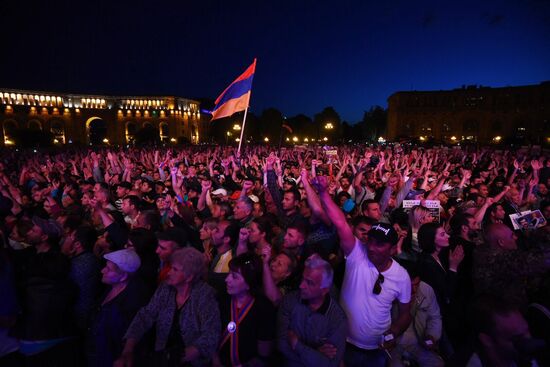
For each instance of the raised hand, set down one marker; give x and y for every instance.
(456, 257)
(265, 254)
(206, 185)
(320, 183)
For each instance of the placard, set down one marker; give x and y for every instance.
(528, 220)
(432, 205)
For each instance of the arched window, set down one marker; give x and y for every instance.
(35, 125)
(131, 129)
(163, 131)
(58, 131)
(9, 127)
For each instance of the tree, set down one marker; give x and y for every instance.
(270, 122)
(328, 124)
(302, 126)
(374, 123)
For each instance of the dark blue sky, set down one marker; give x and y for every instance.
(311, 54)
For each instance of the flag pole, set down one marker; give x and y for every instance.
(242, 133)
(244, 118)
(281, 136)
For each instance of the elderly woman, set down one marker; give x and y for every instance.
(248, 318)
(185, 313)
(115, 310)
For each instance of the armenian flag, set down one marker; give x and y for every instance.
(236, 97)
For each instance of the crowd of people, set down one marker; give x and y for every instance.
(356, 255)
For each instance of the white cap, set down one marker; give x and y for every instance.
(127, 260)
(254, 198)
(220, 191)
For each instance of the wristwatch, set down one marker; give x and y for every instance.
(388, 337)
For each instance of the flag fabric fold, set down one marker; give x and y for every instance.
(236, 96)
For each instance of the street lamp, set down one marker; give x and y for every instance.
(236, 127)
(266, 139)
(295, 139)
(329, 126)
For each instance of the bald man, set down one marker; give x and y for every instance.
(500, 268)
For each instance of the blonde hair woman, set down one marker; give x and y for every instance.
(418, 216)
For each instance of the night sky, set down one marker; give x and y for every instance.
(311, 54)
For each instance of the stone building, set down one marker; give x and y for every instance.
(99, 119)
(472, 113)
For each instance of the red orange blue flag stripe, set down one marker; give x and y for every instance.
(236, 96)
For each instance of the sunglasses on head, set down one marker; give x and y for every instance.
(378, 284)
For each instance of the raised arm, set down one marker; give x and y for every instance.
(313, 200)
(337, 217)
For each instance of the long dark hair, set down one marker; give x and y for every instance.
(426, 237)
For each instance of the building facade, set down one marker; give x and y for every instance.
(99, 119)
(476, 114)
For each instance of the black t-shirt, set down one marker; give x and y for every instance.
(175, 343)
(258, 325)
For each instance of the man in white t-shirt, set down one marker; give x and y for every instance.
(372, 282)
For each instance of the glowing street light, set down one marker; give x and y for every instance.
(229, 133)
(237, 140)
(453, 138)
(236, 127)
(173, 140)
(329, 126)
(306, 140)
(325, 139)
(295, 139)
(106, 140)
(266, 139)
(497, 138)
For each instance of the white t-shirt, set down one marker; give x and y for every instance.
(369, 315)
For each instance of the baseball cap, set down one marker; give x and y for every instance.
(348, 205)
(383, 233)
(127, 260)
(414, 193)
(220, 191)
(236, 195)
